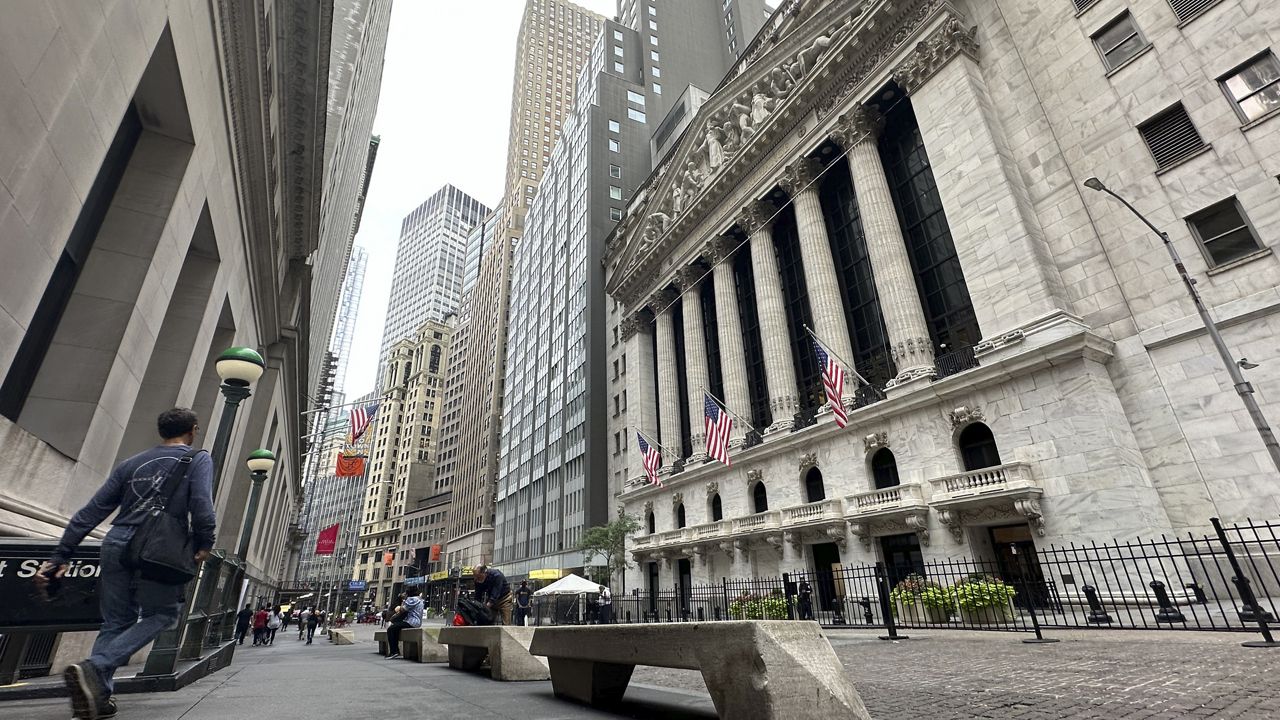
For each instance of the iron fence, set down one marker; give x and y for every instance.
(1228, 581)
(957, 361)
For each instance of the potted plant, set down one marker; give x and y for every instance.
(916, 599)
(749, 606)
(983, 599)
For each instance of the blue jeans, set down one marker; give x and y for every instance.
(134, 611)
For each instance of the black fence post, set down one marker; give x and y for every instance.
(1097, 614)
(882, 589)
(1246, 592)
(1031, 602)
(724, 592)
(786, 592)
(1168, 613)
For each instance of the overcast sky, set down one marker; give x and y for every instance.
(443, 114)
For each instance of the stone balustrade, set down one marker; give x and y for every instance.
(829, 509)
(759, 521)
(1010, 476)
(886, 499)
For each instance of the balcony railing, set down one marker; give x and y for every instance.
(828, 509)
(671, 536)
(1010, 476)
(887, 499)
(710, 530)
(759, 521)
(956, 361)
(642, 542)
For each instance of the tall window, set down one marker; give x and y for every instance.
(884, 469)
(717, 512)
(857, 281)
(648, 521)
(435, 359)
(1254, 88)
(795, 294)
(1119, 41)
(978, 447)
(680, 515)
(1224, 232)
(939, 278)
(757, 387)
(813, 488)
(759, 498)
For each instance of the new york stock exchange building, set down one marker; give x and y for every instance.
(905, 180)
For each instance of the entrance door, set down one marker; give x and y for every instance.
(1016, 558)
(685, 573)
(901, 556)
(653, 590)
(825, 556)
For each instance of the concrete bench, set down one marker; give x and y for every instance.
(380, 637)
(418, 644)
(342, 637)
(506, 648)
(753, 668)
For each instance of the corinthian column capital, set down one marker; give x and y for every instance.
(799, 175)
(631, 325)
(689, 276)
(858, 125)
(719, 249)
(755, 215)
(936, 51)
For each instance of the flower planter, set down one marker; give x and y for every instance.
(992, 615)
(921, 614)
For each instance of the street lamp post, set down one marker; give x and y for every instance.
(239, 368)
(260, 463)
(1242, 387)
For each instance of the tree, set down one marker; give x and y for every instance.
(610, 542)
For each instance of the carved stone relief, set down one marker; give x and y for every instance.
(934, 52)
(875, 441)
(808, 460)
(963, 415)
(713, 487)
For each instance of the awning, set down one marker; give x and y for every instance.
(548, 574)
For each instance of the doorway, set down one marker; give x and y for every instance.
(826, 556)
(1018, 564)
(685, 574)
(902, 556)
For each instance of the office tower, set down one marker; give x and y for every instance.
(330, 500)
(402, 453)
(552, 47)
(482, 237)
(345, 325)
(427, 280)
(558, 406)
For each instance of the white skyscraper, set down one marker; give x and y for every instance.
(430, 259)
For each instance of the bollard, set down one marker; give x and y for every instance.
(716, 612)
(1250, 611)
(1097, 615)
(867, 615)
(700, 617)
(1168, 613)
(1198, 591)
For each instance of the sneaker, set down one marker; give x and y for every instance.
(107, 709)
(394, 656)
(85, 689)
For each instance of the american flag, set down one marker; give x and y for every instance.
(360, 417)
(652, 459)
(718, 424)
(833, 382)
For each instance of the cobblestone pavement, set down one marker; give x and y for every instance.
(958, 674)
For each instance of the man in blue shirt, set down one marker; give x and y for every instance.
(408, 615)
(494, 591)
(134, 610)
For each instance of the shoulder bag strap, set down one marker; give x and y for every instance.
(176, 475)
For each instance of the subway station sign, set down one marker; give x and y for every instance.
(72, 602)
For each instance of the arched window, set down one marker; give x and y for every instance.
(680, 515)
(435, 359)
(978, 447)
(760, 498)
(717, 513)
(884, 469)
(648, 519)
(813, 489)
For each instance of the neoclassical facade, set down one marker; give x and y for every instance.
(903, 180)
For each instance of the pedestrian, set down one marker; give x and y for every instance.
(243, 620)
(134, 609)
(313, 619)
(493, 590)
(408, 615)
(606, 606)
(284, 619)
(302, 621)
(805, 605)
(274, 621)
(260, 626)
(524, 600)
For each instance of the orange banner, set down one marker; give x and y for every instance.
(349, 466)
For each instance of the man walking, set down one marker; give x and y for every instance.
(524, 599)
(606, 606)
(494, 591)
(313, 619)
(134, 610)
(243, 618)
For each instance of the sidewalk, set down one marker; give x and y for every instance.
(293, 681)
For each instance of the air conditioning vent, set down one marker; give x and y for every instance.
(1171, 137)
(1185, 9)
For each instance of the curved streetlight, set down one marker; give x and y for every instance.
(1242, 387)
(260, 462)
(239, 368)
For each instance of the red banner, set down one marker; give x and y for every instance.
(389, 558)
(435, 553)
(327, 540)
(349, 466)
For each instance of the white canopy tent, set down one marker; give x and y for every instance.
(569, 585)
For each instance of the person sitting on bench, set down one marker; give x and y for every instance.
(408, 615)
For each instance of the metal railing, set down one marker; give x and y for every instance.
(207, 620)
(957, 361)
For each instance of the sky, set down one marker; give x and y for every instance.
(442, 116)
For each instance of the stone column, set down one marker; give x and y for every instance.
(825, 303)
(989, 208)
(695, 355)
(642, 406)
(733, 354)
(909, 341)
(668, 384)
(779, 372)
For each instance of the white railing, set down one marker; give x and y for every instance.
(641, 542)
(828, 509)
(759, 521)
(890, 498)
(1010, 476)
(714, 529)
(670, 536)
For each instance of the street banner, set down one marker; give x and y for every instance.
(435, 553)
(389, 558)
(349, 466)
(327, 540)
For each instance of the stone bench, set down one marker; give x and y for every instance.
(417, 644)
(380, 637)
(505, 647)
(342, 637)
(753, 668)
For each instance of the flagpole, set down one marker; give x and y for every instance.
(725, 406)
(354, 402)
(656, 444)
(832, 353)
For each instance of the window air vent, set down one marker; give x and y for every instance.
(1185, 9)
(1171, 137)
